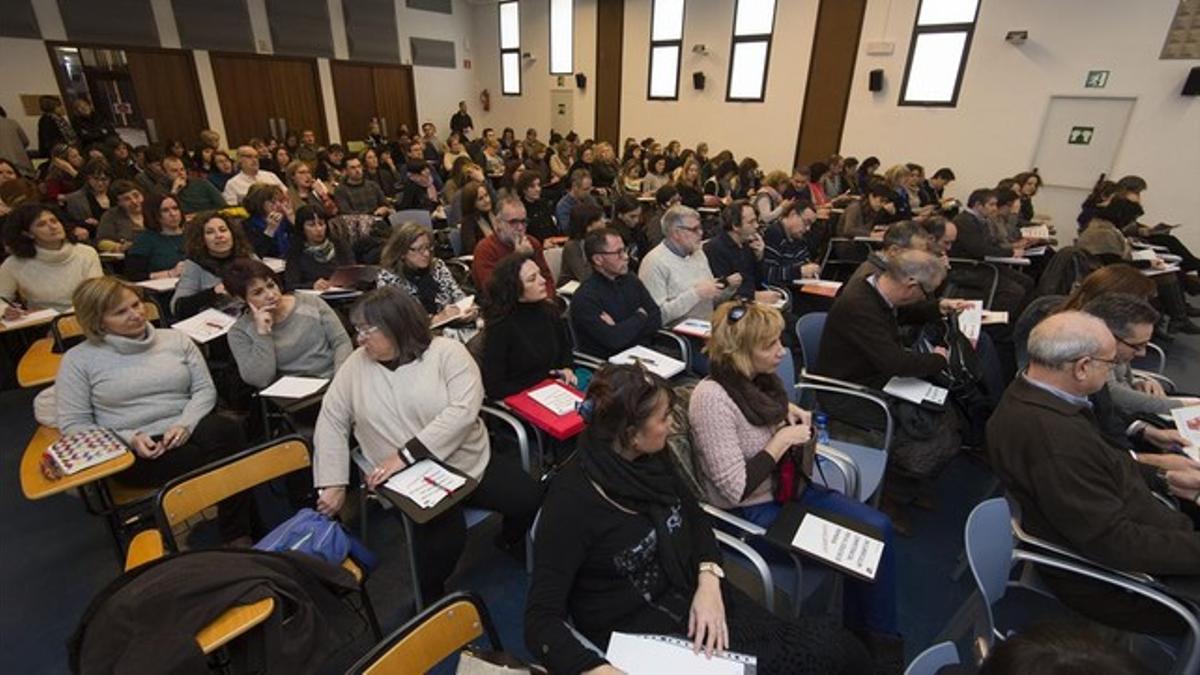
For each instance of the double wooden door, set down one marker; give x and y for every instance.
(366, 91)
(268, 96)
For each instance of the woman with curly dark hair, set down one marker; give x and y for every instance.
(211, 242)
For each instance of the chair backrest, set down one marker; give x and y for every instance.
(455, 234)
(188, 495)
(440, 631)
(66, 326)
(411, 216)
(787, 374)
(554, 258)
(808, 333)
(989, 547)
(929, 661)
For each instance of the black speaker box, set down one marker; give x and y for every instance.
(1192, 86)
(698, 80)
(580, 80)
(875, 80)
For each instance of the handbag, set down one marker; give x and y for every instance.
(317, 535)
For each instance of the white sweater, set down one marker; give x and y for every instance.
(429, 406)
(48, 279)
(671, 280)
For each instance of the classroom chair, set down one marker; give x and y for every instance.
(437, 633)
(931, 660)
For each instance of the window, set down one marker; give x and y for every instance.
(937, 56)
(666, 49)
(753, 23)
(562, 37)
(510, 48)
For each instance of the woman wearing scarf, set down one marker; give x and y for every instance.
(621, 544)
(211, 243)
(314, 254)
(409, 265)
(746, 436)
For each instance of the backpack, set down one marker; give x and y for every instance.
(315, 534)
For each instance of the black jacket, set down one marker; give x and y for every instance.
(725, 258)
(522, 348)
(621, 298)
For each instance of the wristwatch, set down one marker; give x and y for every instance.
(713, 569)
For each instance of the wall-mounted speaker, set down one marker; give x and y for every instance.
(580, 80)
(698, 80)
(1192, 86)
(875, 80)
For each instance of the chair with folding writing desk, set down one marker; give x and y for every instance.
(443, 629)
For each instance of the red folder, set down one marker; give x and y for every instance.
(560, 427)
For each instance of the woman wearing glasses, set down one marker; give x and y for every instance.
(749, 441)
(409, 264)
(408, 396)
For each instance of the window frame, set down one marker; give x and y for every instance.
(571, 52)
(735, 39)
(665, 43)
(917, 31)
(510, 50)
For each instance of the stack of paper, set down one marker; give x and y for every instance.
(425, 483)
(915, 391)
(838, 545)
(698, 328)
(659, 364)
(206, 326)
(1187, 421)
(639, 654)
(291, 386)
(556, 398)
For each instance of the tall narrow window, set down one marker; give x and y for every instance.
(510, 48)
(666, 49)
(937, 56)
(753, 23)
(562, 37)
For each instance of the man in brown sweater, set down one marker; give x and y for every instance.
(1077, 490)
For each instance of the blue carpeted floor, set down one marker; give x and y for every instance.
(55, 556)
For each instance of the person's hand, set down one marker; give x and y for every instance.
(706, 618)
(524, 246)
(787, 436)
(145, 447)
(264, 320)
(950, 305)
(383, 210)
(64, 165)
(330, 500)
(767, 297)
(757, 245)
(823, 213)
(1158, 263)
(1164, 438)
(942, 351)
(1168, 461)
(810, 270)
(178, 184)
(12, 312)
(449, 312)
(798, 415)
(566, 375)
(219, 289)
(734, 280)
(384, 471)
(1184, 483)
(890, 208)
(91, 221)
(175, 437)
(607, 319)
(82, 233)
(707, 289)
(1150, 386)
(1018, 252)
(606, 669)
(274, 219)
(321, 285)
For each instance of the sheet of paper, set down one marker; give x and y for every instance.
(1035, 232)
(1008, 261)
(1144, 254)
(694, 327)
(1187, 421)
(839, 545)
(568, 288)
(659, 364)
(638, 654)
(1169, 269)
(37, 317)
(276, 264)
(1035, 251)
(556, 398)
(291, 386)
(160, 285)
(825, 283)
(463, 306)
(330, 290)
(970, 321)
(990, 317)
(206, 326)
(915, 391)
(425, 483)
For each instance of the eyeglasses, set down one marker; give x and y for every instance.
(1112, 363)
(420, 249)
(623, 252)
(515, 221)
(695, 229)
(1135, 346)
(364, 332)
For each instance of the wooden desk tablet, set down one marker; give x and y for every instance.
(34, 483)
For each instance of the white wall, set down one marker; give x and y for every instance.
(532, 107)
(994, 130)
(26, 71)
(439, 89)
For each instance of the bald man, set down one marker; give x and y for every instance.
(1077, 490)
(239, 185)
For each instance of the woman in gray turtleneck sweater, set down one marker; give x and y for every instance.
(150, 386)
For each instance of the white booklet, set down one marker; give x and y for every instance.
(839, 545)
(916, 391)
(292, 386)
(568, 288)
(659, 364)
(641, 654)
(425, 483)
(970, 321)
(694, 327)
(463, 306)
(206, 326)
(1187, 421)
(556, 398)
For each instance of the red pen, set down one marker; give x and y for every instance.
(436, 484)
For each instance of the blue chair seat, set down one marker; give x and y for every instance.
(871, 464)
(476, 516)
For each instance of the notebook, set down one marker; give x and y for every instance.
(35, 318)
(1035, 232)
(463, 306)
(697, 328)
(425, 483)
(916, 391)
(1187, 421)
(543, 414)
(556, 398)
(160, 285)
(291, 386)
(568, 288)
(642, 654)
(206, 326)
(82, 450)
(659, 364)
(849, 545)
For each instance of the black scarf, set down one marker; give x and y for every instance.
(762, 400)
(649, 486)
(426, 285)
(215, 266)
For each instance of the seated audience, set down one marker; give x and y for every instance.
(419, 191)
(237, 186)
(738, 249)
(44, 266)
(1080, 491)
(151, 387)
(222, 170)
(121, 224)
(622, 545)
(585, 218)
(580, 191)
(454, 150)
(86, 206)
(194, 194)
(382, 173)
(53, 126)
(62, 172)
(478, 218)
(786, 254)
(768, 201)
(152, 179)
(676, 272)
(157, 252)
(356, 194)
(538, 213)
(863, 215)
(408, 263)
(211, 243)
(408, 395)
(269, 226)
(525, 338)
(314, 254)
(687, 182)
(281, 334)
(508, 238)
(331, 163)
(900, 236)
(976, 240)
(305, 190)
(656, 175)
(611, 311)
(744, 429)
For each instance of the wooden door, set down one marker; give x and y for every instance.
(610, 30)
(257, 89)
(354, 91)
(168, 93)
(830, 74)
(395, 100)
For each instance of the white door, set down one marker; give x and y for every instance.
(562, 110)
(1080, 139)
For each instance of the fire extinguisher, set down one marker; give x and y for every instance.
(485, 100)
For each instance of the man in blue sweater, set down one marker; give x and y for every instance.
(612, 311)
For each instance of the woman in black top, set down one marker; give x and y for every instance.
(383, 174)
(539, 213)
(525, 338)
(1027, 184)
(622, 544)
(314, 255)
(478, 221)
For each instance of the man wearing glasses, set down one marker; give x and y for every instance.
(677, 274)
(1078, 490)
(237, 187)
(508, 238)
(612, 311)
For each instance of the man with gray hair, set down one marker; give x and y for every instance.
(509, 237)
(1077, 490)
(677, 274)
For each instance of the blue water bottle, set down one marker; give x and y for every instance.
(821, 428)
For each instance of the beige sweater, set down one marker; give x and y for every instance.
(48, 279)
(431, 404)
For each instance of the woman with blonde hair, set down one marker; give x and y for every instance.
(752, 448)
(769, 201)
(409, 264)
(687, 182)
